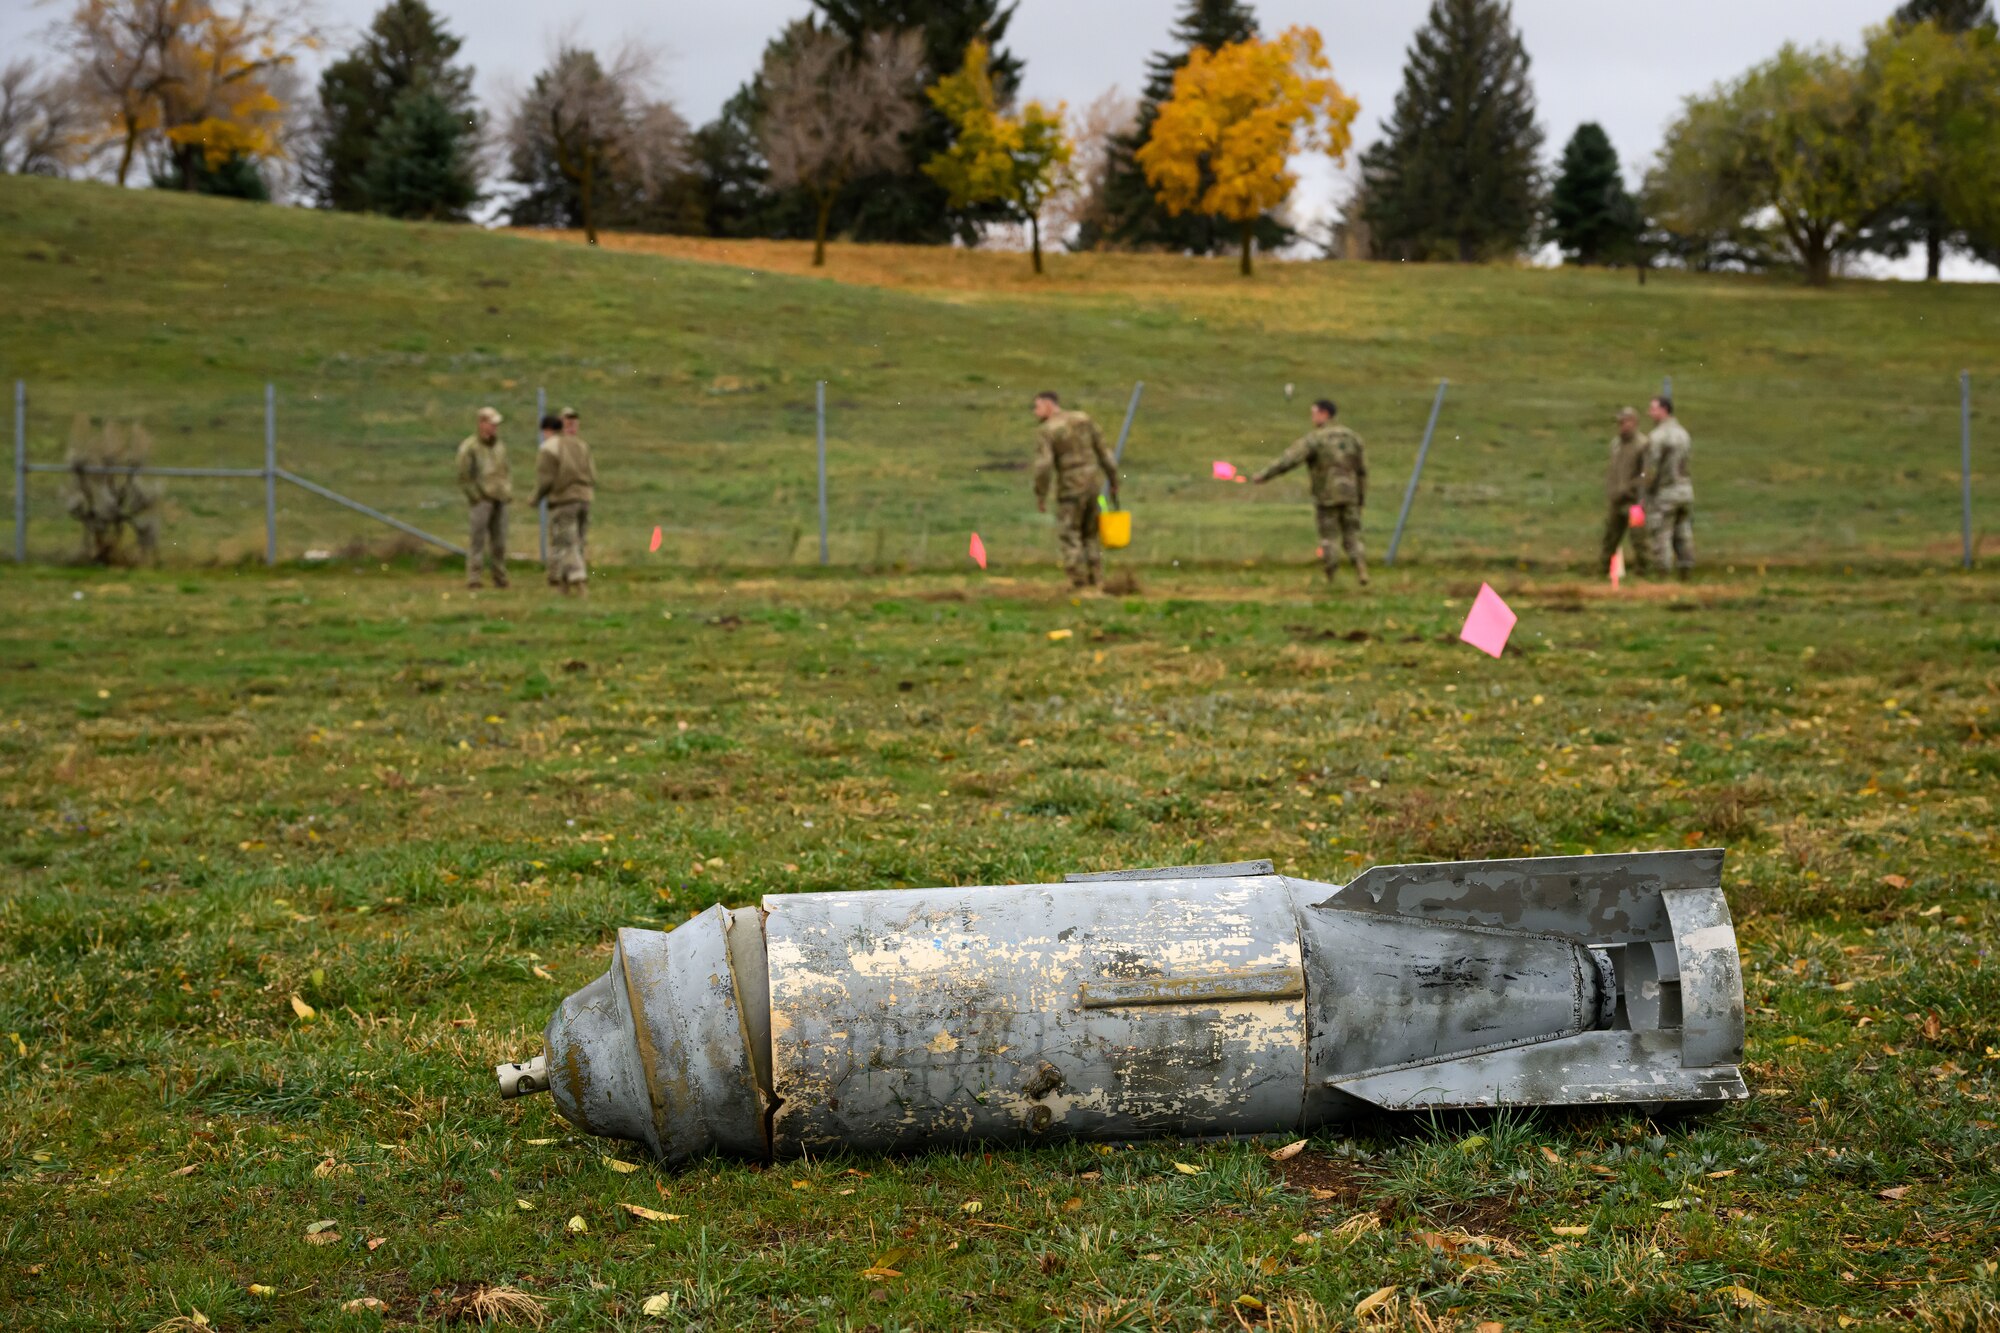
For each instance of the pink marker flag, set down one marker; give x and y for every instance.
(1224, 471)
(1617, 568)
(1489, 623)
(978, 551)
(1637, 517)
(1239, 478)
(656, 540)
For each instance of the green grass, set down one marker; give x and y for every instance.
(356, 786)
(1825, 422)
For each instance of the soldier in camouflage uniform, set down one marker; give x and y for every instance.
(488, 486)
(1070, 457)
(1625, 486)
(1339, 469)
(1670, 490)
(566, 477)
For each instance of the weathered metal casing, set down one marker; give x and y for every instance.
(1199, 1000)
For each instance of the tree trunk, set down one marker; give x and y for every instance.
(131, 146)
(1933, 252)
(1249, 230)
(588, 187)
(1035, 231)
(819, 229)
(1818, 256)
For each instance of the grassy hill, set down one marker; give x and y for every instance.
(1825, 422)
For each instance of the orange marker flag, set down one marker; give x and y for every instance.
(1617, 568)
(656, 539)
(977, 551)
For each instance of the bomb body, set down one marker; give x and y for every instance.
(1195, 1000)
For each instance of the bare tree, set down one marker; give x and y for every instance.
(43, 124)
(833, 112)
(587, 132)
(1094, 131)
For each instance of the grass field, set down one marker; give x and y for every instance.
(232, 799)
(1825, 422)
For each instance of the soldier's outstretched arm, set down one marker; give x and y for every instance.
(1286, 461)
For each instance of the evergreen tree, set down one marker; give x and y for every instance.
(420, 165)
(1454, 176)
(907, 205)
(406, 48)
(1592, 216)
(1132, 216)
(235, 177)
(1949, 15)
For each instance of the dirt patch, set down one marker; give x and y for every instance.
(1332, 1181)
(1484, 1217)
(1122, 584)
(1311, 634)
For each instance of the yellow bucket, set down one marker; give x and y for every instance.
(1114, 528)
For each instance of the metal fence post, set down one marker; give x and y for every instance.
(542, 509)
(822, 472)
(1416, 473)
(270, 473)
(20, 472)
(1965, 461)
(1667, 388)
(1125, 431)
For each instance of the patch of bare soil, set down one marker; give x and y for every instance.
(1332, 1181)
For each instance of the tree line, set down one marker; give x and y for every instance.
(902, 120)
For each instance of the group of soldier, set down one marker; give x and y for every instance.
(1650, 490)
(565, 478)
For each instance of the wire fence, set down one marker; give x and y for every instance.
(741, 479)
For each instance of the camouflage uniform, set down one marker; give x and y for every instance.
(566, 477)
(488, 486)
(1625, 486)
(1339, 467)
(1670, 497)
(1070, 456)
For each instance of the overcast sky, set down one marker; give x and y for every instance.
(1623, 63)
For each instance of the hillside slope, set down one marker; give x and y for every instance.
(1825, 422)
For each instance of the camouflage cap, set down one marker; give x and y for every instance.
(573, 413)
(488, 414)
(1625, 412)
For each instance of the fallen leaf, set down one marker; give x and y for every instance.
(1895, 1192)
(656, 1306)
(321, 1233)
(1187, 1170)
(1574, 1230)
(360, 1303)
(1671, 1204)
(645, 1214)
(259, 1289)
(1602, 1170)
(1896, 881)
(1321, 1194)
(1476, 1262)
(1490, 1326)
(187, 1170)
(1741, 1296)
(524, 1205)
(1554, 1157)
(801, 1184)
(377, 1242)
(540, 1143)
(1058, 635)
(1477, 1141)
(305, 1011)
(577, 1224)
(1072, 1204)
(1249, 1302)
(971, 1206)
(1304, 1238)
(622, 1168)
(1289, 1151)
(1374, 1301)
(543, 972)
(1722, 1175)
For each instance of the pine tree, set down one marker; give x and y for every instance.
(1132, 216)
(406, 47)
(420, 165)
(1949, 15)
(1455, 174)
(1592, 216)
(907, 205)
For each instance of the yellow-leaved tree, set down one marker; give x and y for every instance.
(1017, 161)
(1223, 141)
